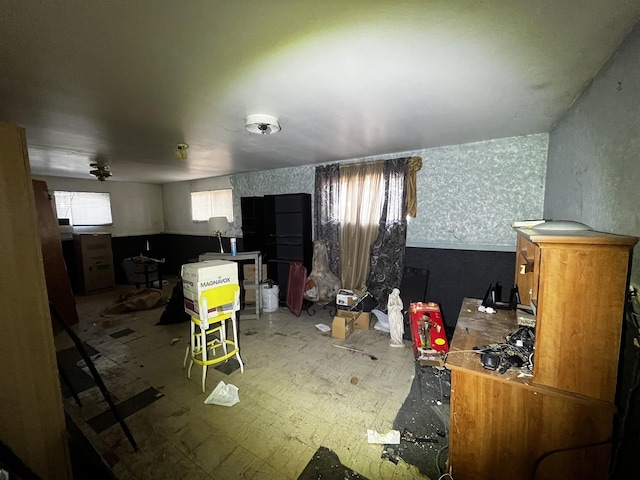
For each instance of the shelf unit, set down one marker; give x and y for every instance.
(253, 235)
(288, 239)
(503, 426)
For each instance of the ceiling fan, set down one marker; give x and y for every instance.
(100, 171)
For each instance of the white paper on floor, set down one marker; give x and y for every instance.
(390, 438)
(223, 394)
(323, 328)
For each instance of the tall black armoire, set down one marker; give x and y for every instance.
(287, 225)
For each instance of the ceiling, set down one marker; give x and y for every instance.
(125, 82)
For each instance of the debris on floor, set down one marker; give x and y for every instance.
(390, 454)
(423, 420)
(392, 437)
(224, 394)
(355, 350)
(325, 464)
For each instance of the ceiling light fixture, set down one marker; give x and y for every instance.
(181, 151)
(100, 171)
(262, 124)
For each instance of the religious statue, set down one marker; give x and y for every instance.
(396, 323)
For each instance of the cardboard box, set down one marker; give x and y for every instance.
(358, 320)
(249, 271)
(361, 322)
(94, 260)
(249, 295)
(201, 276)
(343, 324)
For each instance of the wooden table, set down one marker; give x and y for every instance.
(505, 426)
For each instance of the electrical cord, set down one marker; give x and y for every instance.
(443, 449)
(534, 469)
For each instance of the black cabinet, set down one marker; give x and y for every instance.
(253, 234)
(287, 225)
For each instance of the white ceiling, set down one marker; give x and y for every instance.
(126, 81)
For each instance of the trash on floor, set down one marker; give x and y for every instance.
(224, 394)
(407, 436)
(391, 455)
(175, 340)
(382, 324)
(392, 437)
(323, 328)
(144, 299)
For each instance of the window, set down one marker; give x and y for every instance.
(211, 203)
(84, 208)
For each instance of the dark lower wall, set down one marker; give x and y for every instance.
(180, 249)
(455, 274)
(122, 247)
(175, 249)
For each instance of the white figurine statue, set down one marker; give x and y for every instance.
(396, 324)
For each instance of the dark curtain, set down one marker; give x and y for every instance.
(387, 251)
(327, 211)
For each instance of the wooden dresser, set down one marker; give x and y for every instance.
(558, 423)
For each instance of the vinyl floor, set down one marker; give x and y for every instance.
(298, 393)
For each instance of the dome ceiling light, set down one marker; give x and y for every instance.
(181, 151)
(262, 124)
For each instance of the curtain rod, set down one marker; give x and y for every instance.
(373, 162)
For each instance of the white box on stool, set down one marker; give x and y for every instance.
(201, 276)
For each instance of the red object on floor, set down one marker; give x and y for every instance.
(427, 328)
(296, 287)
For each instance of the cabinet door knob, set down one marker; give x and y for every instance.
(523, 269)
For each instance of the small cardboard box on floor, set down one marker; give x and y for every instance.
(346, 321)
(201, 276)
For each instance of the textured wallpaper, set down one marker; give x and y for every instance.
(274, 182)
(468, 195)
(593, 174)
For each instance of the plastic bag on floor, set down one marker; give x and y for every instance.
(223, 394)
(383, 321)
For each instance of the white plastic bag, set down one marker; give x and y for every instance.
(223, 394)
(383, 321)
